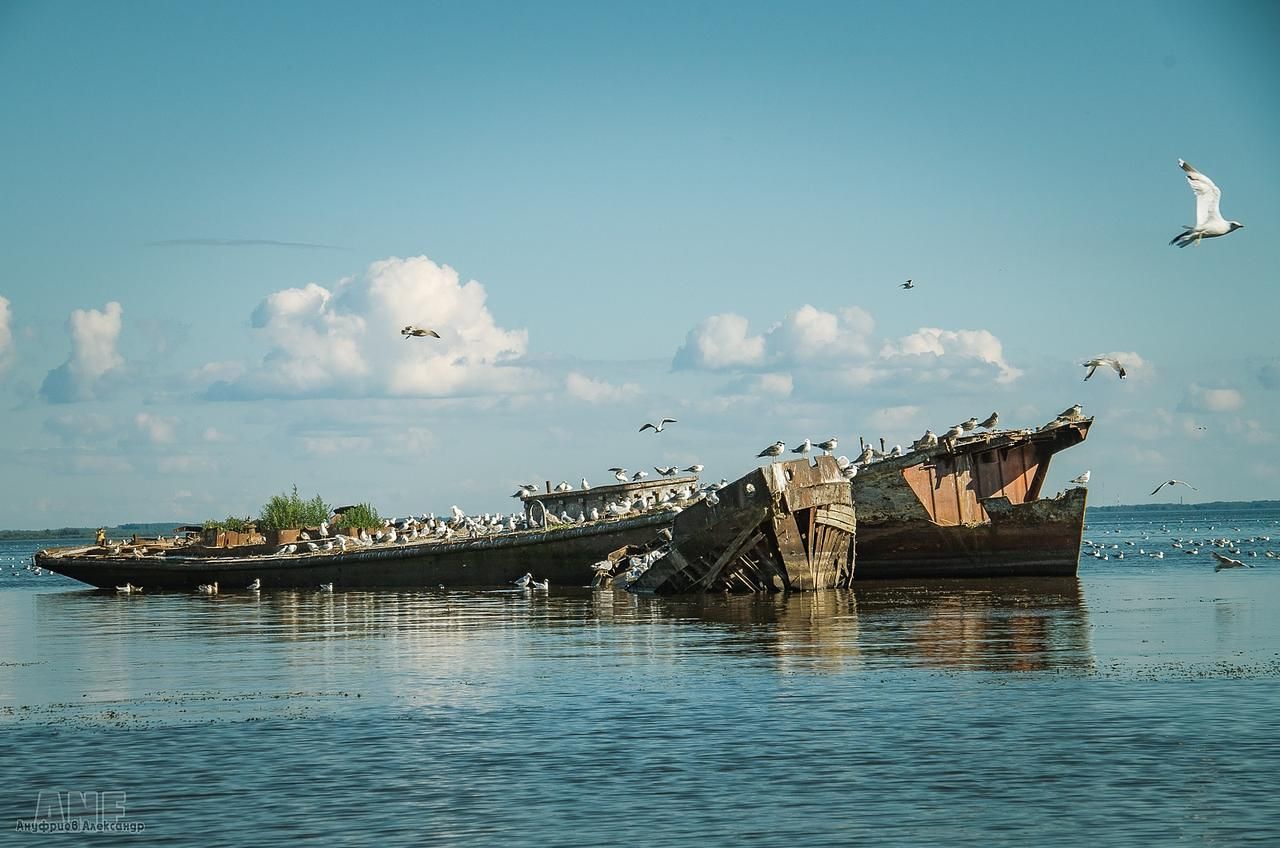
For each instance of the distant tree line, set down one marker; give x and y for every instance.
(1195, 507)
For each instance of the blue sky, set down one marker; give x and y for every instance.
(614, 213)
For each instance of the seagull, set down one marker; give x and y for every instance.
(774, 449)
(829, 445)
(991, 422)
(951, 435)
(523, 582)
(620, 474)
(1228, 562)
(803, 448)
(666, 470)
(255, 585)
(1108, 361)
(128, 588)
(907, 285)
(640, 475)
(585, 484)
(326, 587)
(657, 428)
(866, 456)
(1174, 483)
(1072, 414)
(969, 425)
(928, 440)
(1082, 479)
(1209, 221)
(419, 332)
(544, 585)
(696, 468)
(208, 588)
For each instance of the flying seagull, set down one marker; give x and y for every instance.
(774, 449)
(1174, 483)
(419, 332)
(1082, 479)
(1228, 562)
(657, 428)
(1209, 221)
(907, 285)
(1109, 361)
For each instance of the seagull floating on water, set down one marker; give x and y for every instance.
(128, 588)
(524, 581)
(544, 585)
(1174, 483)
(657, 428)
(255, 585)
(208, 588)
(1108, 361)
(1082, 479)
(417, 332)
(326, 587)
(1209, 221)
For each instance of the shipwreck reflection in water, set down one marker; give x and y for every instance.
(1006, 624)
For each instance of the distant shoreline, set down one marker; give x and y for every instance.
(1207, 505)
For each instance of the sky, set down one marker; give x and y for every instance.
(216, 217)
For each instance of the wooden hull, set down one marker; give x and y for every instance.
(563, 555)
(1037, 539)
(971, 510)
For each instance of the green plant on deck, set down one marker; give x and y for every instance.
(284, 511)
(360, 516)
(231, 522)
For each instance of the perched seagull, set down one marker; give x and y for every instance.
(255, 585)
(907, 285)
(666, 470)
(1209, 221)
(640, 475)
(419, 332)
(1082, 479)
(1228, 562)
(829, 445)
(524, 581)
(620, 474)
(585, 484)
(774, 449)
(803, 448)
(951, 435)
(657, 428)
(991, 422)
(1075, 413)
(563, 486)
(1174, 483)
(326, 587)
(928, 440)
(969, 425)
(696, 468)
(866, 456)
(1108, 361)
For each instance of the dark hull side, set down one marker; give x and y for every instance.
(1040, 539)
(563, 555)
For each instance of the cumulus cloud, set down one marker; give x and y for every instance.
(346, 342)
(154, 428)
(720, 342)
(83, 429)
(842, 345)
(938, 353)
(586, 389)
(1201, 399)
(894, 417)
(94, 335)
(6, 335)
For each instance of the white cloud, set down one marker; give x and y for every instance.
(94, 336)
(6, 334)
(1200, 399)
(719, 342)
(586, 389)
(809, 334)
(157, 430)
(936, 353)
(777, 385)
(894, 417)
(347, 343)
(82, 429)
(216, 436)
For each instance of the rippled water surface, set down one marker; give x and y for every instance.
(1134, 705)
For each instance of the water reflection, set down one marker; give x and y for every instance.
(994, 625)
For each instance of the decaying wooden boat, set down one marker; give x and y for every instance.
(785, 526)
(972, 509)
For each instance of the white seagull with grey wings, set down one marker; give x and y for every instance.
(1209, 221)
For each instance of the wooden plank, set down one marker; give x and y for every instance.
(794, 500)
(731, 550)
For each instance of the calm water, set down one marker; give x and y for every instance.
(1134, 706)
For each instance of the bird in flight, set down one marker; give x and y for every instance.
(1109, 361)
(412, 331)
(1209, 221)
(907, 285)
(774, 449)
(657, 428)
(1082, 479)
(1227, 562)
(1174, 483)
